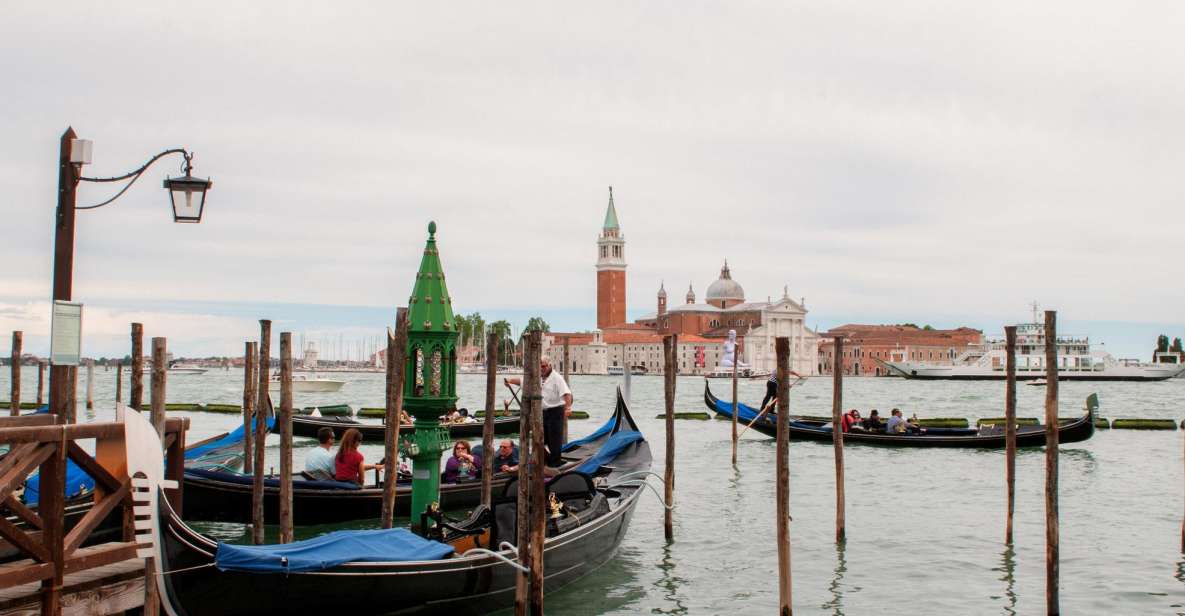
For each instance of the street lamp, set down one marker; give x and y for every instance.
(188, 196)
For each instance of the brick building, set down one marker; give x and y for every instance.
(610, 270)
(865, 346)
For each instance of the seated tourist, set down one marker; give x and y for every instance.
(463, 465)
(348, 463)
(851, 421)
(898, 425)
(319, 465)
(506, 458)
(873, 423)
(914, 426)
(404, 418)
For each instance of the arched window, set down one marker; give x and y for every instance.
(434, 386)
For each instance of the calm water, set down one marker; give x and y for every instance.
(925, 527)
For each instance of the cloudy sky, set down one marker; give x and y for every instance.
(940, 162)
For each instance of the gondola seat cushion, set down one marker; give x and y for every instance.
(331, 550)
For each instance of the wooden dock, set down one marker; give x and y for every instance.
(109, 589)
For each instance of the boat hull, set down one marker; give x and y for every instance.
(960, 373)
(321, 386)
(308, 426)
(1075, 431)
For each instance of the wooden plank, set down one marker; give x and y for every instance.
(16, 455)
(23, 512)
(91, 466)
(24, 421)
(396, 365)
(103, 590)
(96, 515)
(15, 476)
(102, 555)
(22, 540)
(23, 572)
(55, 433)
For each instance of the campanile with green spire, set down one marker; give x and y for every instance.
(430, 385)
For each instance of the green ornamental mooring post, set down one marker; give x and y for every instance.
(430, 387)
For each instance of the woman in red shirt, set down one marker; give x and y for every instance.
(348, 464)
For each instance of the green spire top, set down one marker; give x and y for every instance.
(431, 308)
(611, 213)
(431, 338)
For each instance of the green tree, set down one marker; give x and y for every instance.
(501, 328)
(536, 323)
(1162, 343)
(464, 329)
(1176, 348)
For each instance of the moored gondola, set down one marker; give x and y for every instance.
(1074, 431)
(226, 497)
(394, 571)
(308, 426)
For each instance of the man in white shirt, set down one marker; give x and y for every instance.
(319, 464)
(557, 404)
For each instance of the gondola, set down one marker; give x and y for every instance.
(226, 497)
(984, 437)
(394, 571)
(308, 426)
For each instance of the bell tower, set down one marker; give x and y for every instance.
(610, 270)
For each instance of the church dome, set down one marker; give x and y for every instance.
(725, 288)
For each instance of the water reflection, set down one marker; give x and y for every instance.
(1007, 569)
(836, 586)
(670, 583)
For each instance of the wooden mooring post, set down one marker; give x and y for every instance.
(136, 398)
(782, 464)
(118, 382)
(14, 395)
(531, 512)
(837, 437)
(40, 382)
(90, 384)
(1052, 557)
(396, 360)
(487, 431)
(263, 370)
(157, 417)
(285, 420)
(567, 379)
(735, 407)
(248, 405)
(670, 345)
(1010, 425)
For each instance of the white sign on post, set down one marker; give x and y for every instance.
(65, 334)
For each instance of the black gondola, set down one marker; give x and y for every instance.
(474, 582)
(984, 437)
(226, 497)
(308, 426)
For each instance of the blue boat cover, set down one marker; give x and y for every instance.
(744, 413)
(78, 481)
(329, 551)
(602, 431)
(610, 450)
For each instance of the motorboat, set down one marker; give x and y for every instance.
(307, 383)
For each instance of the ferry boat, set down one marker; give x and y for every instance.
(1076, 361)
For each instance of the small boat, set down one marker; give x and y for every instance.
(745, 372)
(308, 426)
(616, 370)
(178, 368)
(992, 436)
(226, 497)
(302, 383)
(468, 568)
(1041, 383)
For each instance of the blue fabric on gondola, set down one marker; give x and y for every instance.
(77, 482)
(744, 413)
(602, 431)
(610, 450)
(230, 440)
(329, 551)
(246, 480)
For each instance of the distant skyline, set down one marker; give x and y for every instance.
(909, 161)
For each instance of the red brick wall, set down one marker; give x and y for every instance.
(610, 298)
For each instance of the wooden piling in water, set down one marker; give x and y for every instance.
(90, 384)
(118, 382)
(487, 431)
(248, 406)
(837, 437)
(396, 360)
(285, 421)
(1052, 557)
(137, 394)
(1010, 425)
(567, 379)
(15, 390)
(40, 382)
(263, 370)
(735, 407)
(531, 512)
(670, 346)
(782, 464)
(157, 417)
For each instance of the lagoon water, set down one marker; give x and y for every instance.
(925, 527)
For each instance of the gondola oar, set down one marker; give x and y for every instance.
(799, 379)
(513, 393)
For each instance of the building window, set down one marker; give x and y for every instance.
(603, 252)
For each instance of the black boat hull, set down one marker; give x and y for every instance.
(308, 427)
(1078, 430)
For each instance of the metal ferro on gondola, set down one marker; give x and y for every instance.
(430, 387)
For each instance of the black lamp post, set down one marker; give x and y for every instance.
(188, 195)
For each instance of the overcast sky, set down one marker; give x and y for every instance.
(924, 161)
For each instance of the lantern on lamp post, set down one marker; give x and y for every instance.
(188, 194)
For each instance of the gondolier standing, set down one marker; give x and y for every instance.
(557, 404)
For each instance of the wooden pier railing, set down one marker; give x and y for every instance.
(56, 553)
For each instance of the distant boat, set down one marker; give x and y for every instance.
(179, 368)
(616, 370)
(746, 372)
(307, 384)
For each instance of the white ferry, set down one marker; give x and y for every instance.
(1076, 362)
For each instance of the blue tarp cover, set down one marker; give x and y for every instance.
(233, 439)
(610, 450)
(602, 431)
(329, 551)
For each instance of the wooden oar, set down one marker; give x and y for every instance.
(513, 393)
(763, 412)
